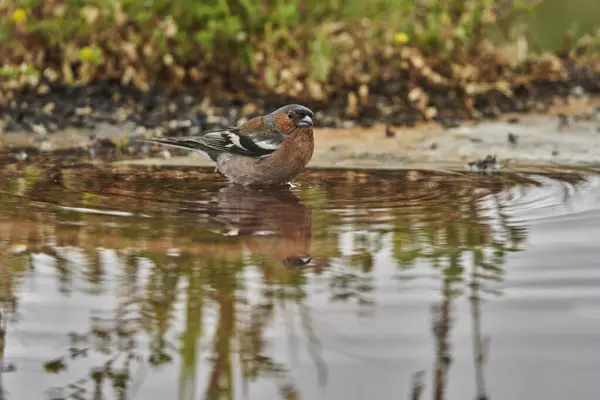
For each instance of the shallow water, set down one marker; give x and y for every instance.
(169, 284)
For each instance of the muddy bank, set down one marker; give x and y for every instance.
(567, 134)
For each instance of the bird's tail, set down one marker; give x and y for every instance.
(182, 143)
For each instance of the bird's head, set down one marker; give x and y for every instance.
(288, 118)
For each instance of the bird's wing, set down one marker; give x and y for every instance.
(253, 144)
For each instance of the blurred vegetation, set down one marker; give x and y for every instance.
(557, 21)
(300, 48)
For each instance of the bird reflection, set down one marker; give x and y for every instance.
(275, 224)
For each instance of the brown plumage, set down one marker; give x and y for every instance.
(265, 151)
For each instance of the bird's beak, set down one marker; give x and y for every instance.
(305, 122)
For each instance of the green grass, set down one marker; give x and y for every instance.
(274, 41)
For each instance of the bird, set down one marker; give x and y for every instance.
(268, 150)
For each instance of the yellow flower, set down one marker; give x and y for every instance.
(401, 38)
(19, 15)
(86, 54)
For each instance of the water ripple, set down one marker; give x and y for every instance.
(154, 283)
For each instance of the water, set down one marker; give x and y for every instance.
(168, 284)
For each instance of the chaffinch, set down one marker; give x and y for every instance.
(265, 151)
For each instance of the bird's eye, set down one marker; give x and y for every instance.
(290, 114)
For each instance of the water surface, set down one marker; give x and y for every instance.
(122, 283)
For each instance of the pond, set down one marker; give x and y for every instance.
(166, 283)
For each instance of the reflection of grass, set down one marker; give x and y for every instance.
(455, 223)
